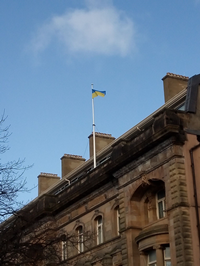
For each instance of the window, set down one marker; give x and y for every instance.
(64, 250)
(161, 204)
(117, 219)
(99, 228)
(152, 258)
(167, 257)
(80, 238)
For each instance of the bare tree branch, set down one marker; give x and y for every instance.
(25, 239)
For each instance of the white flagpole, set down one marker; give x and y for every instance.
(93, 124)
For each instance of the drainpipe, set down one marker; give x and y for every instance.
(195, 187)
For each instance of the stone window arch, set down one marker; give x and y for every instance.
(148, 201)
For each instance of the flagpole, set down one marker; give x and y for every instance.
(93, 125)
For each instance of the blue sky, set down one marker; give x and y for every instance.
(52, 50)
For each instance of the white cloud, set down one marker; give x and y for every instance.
(102, 30)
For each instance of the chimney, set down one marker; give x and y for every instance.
(173, 84)
(70, 162)
(101, 140)
(45, 181)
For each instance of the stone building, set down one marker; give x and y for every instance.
(140, 205)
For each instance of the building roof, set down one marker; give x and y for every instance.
(136, 140)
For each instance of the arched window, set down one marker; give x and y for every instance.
(64, 250)
(99, 229)
(117, 220)
(79, 231)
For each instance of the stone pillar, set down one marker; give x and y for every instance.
(143, 259)
(124, 248)
(159, 255)
(179, 214)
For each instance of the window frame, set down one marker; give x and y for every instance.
(153, 262)
(117, 220)
(80, 246)
(99, 229)
(153, 253)
(166, 259)
(160, 202)
(64, 250)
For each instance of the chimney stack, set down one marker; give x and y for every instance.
(173, 84)
(70, 162)
(45, 181)
(101, 140)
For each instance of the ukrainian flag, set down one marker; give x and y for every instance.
(96, 93)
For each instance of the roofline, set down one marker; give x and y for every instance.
(173, 102)
(177, 99)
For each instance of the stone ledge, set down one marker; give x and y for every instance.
(154, 230)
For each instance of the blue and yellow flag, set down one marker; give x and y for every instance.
(96, 93)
